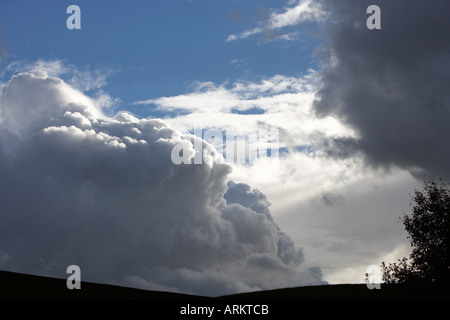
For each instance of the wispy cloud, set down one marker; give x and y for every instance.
(207, 97)
(87, 79)
(304, 10)
(279, 102)
(84, 79)
(244, 34)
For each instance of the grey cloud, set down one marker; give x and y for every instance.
(255, 200)
(329, 198)
(77, 187)
(205, 283)
(390, 85)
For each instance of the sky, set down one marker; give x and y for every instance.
(113, 138)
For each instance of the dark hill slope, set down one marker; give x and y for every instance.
(23, 286)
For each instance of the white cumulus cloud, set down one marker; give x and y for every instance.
(79, 187)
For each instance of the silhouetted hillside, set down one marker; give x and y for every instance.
(22, 286)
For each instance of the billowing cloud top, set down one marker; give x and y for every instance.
(78, 187)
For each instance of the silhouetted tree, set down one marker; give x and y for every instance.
(429, 231)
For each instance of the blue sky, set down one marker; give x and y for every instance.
(156, 48)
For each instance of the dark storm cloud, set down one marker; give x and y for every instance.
(391, 85)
